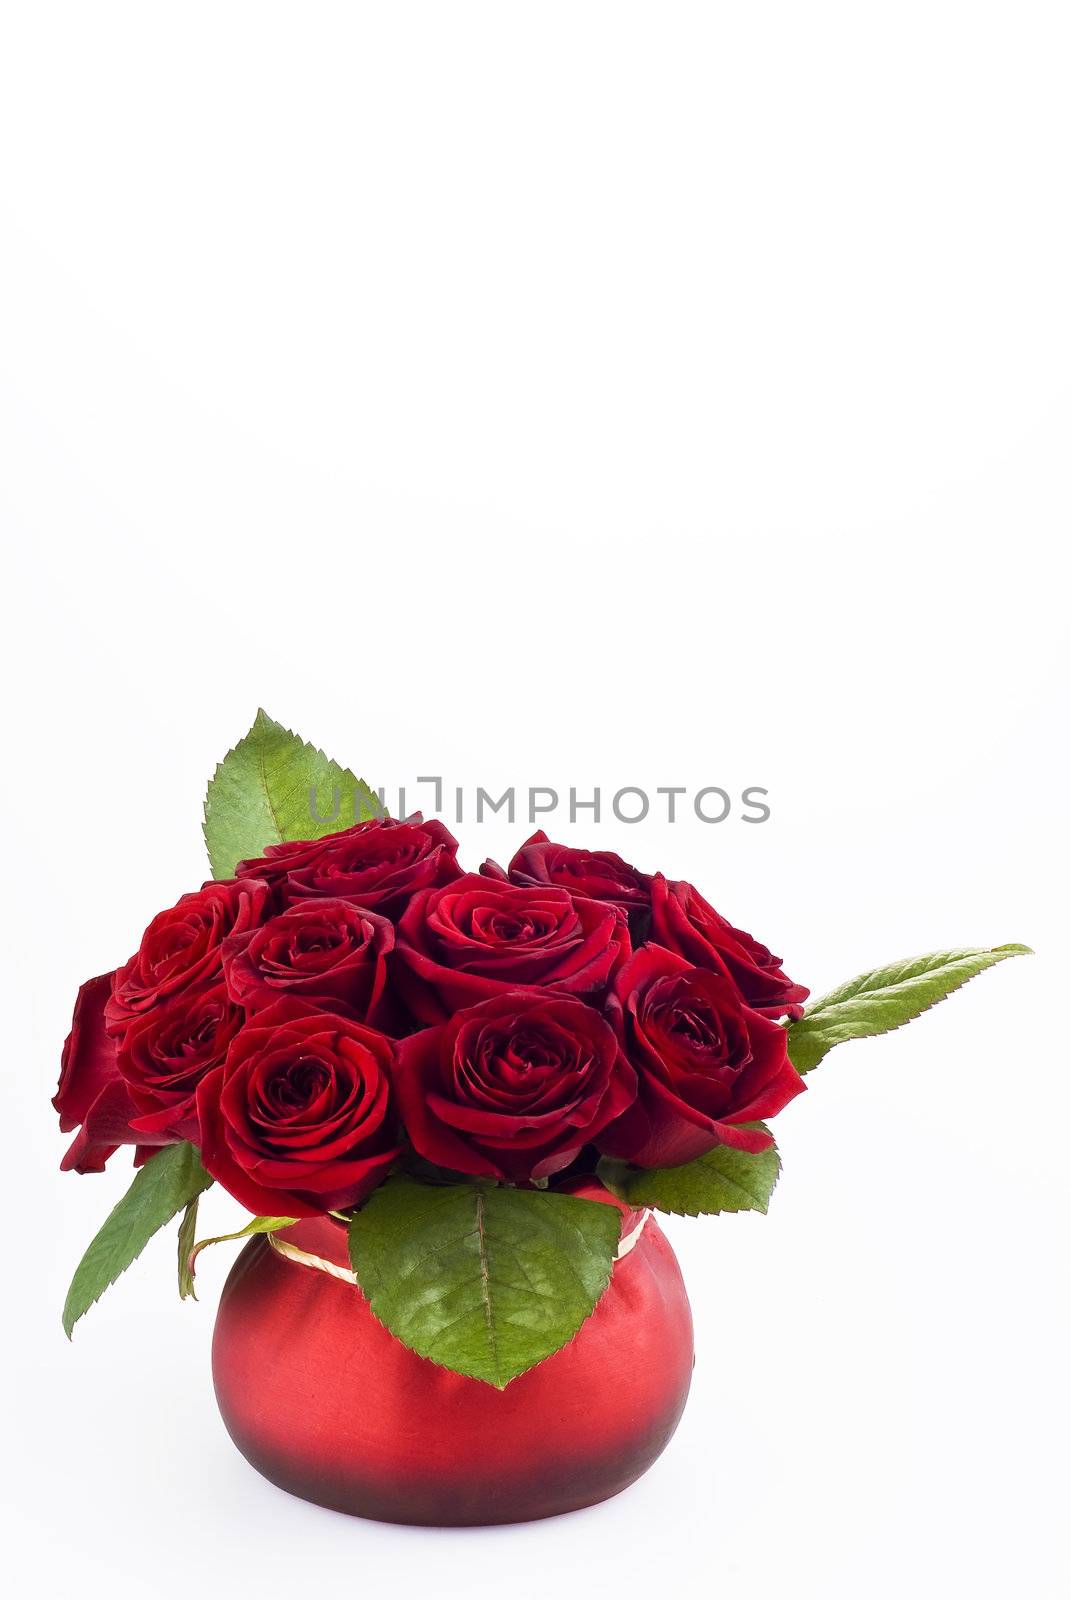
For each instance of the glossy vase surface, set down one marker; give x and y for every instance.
(322, 1400)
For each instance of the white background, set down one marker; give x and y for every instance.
(571, 394)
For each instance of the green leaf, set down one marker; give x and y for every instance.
(484, 1280)
(722, 1180)
(258, 1225)
(876, 1002)
(167, 1182)
(186, 1235)
(262, 793)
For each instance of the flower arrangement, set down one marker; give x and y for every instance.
(349, 1024)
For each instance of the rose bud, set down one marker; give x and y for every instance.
(706, 1063)
(512, 1088)
(587, 874)
(478, 937)
(330, 952)
(91, 1090)
(298, 1120)
(379, 864)
(682, 921)
(164, 1054)
(181, 948)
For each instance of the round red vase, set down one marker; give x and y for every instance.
(322, 1400)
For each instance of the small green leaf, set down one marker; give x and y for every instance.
(722, 1180)
(186, 1235)
(167, 1182)
(876, 1002)
(484, 1280)
(272, 787)
(258, 1225)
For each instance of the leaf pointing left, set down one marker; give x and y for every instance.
(163, 1187)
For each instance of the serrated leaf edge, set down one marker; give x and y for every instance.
(476, 1376)
(844, 994)
(719, 1211)
(362, 790)
(69, 1323)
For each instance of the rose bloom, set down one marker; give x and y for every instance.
(706, 1063)
(164, 1054)
(379, 864)
(181, 948)
(588, 874)
(681, 920)
(331, 952)
(512, 1088)
(478, 937)
(298, 1120)
(672, 914)
(92, 1095)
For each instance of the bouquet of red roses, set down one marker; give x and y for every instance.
(350, 1023)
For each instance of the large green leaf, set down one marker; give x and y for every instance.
(879, 1001)
(485, 1280)
(722, 1180)
(167, 1182)
(262, 792)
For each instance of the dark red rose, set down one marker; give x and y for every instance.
(588, 874)
(164, 1054)
(91, 1090)
(681, 920)
(298, 1120)
(706, 1063)
(378, 864)
(181, 949)
(513, 1088)
(479, 937)
(330, 952)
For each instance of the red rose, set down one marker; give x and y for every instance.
(330, 952)
(181, 949)
(477, 938)
(706, 1063)
(513, 1088)
(681, 920)
(164, 1054)
(91, 1090)
(588, 874)
(378, 864)
(298, 1119)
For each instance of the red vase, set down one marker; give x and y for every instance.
(322, 1400)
